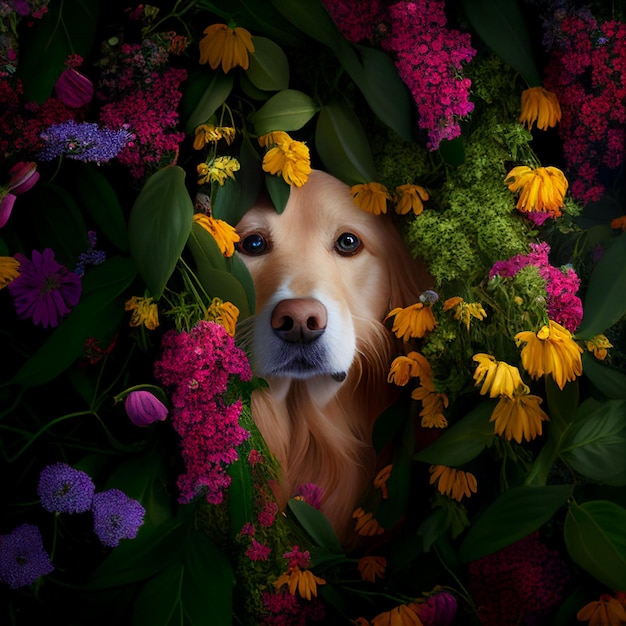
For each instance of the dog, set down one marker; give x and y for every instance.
(325, 275)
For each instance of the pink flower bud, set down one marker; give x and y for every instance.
(439, 610)
(144, 408)
(6, 206)
(73, 88)
(24, 175)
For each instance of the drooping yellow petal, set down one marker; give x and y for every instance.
(371, 197)
(226, 46)
(224, 234)
(541, 106)
(410, 198)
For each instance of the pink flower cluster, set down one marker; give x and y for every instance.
(197, 366)
(141, 92)
(520, 584)
(587, 72)
(283, 609)
(564, 307)
(428, 56)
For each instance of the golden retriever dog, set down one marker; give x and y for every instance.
(325, 273)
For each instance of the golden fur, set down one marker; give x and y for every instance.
(317, 425)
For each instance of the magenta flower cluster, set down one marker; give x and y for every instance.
(141, 91)
(587, 72)
(197, 366)
(429, 56)
(563, 305)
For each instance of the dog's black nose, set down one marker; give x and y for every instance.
(299, 320)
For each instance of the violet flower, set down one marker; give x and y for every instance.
(116, 516)
(73, 88)
(22, 557)
(144, 408)
(24, 175)
(45, 290)
(63, 489)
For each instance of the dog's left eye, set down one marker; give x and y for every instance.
(252, 244)
(348, 244)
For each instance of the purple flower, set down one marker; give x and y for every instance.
(144, 408)
(22, 557)
(23, 177)
(73, 88)
(116, 516)
(83, 141)
(6, 207)
(63, 489)
(45, 290)
(438, 610)
(311, 494)
(91, 256)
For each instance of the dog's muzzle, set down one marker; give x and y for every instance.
(299, 320)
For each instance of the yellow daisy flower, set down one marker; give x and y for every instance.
(551, 351)
(452, 482)
(412, 321)
(273, 139)
(413, 365)
(433, 404)
(223, 233)
(599, 345)
(372, 567)
(403, 615)
(224, 313)
(618, 223)
(366, 524)
(218, 170)
(226, 46)
(541, 189)
(541, 106)
(290, 159)
(208, 133)
(465, 311)
(519, 417)
(9, 270)
(498, 378)
(302, 581)
(410, 198)
(607, 611)
(371, 197)
(144, 311)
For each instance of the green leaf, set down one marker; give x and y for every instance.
(287, 110)
(96, 315)
(214, 95)
(562, 404)
(343, 146)
(311, 18)
(98, 199)
(463, 441)
(69, 27)
(511, 517)
(376, 76)
(316, 525)
(501, 25)
(159, 599)
(207, 589)
(279, 191)
(159, 226)
(595, 539)
(211, 270)
(610, 381)
(594, 445)
(453, 151)
(605, 298)
(269, 67)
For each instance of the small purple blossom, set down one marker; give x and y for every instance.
(91, 256)
(116, 516)
(73, 88)
(144, 408)
(45, 290)
(311, 494)
(22, 557)
(63, 489)
(84, 141)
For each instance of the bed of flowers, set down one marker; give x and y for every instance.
(136, 489)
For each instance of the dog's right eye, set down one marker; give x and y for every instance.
(252, 244)
(348, 244)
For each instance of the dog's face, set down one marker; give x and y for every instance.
(321, 276)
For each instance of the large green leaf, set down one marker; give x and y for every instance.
(594, 445)
(605, 298)
(316, 525)
(463, 441)
(608, 380)
(269, 67)
(595, 539)
(159, 600)
(343, 146)
(213, 96)
(501, 25)
(311, 18)
(98, 199)
(69, 27)
(159, 226)
(511, 517)
(287, 110)
(96, 315)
